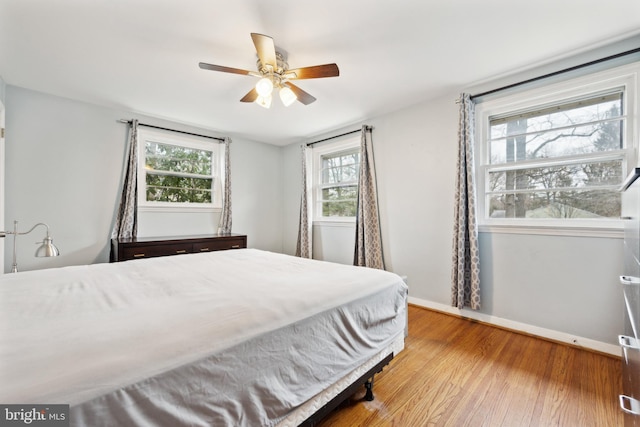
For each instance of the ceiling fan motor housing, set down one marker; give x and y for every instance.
(278, 74)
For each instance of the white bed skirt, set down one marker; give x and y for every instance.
(312, 406)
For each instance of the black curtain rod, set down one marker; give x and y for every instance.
(174, 130)
(337, 136)
(555, 73)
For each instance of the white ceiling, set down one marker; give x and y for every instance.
(143, 55)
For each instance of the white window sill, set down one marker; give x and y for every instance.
(614, 230)
(343, 222)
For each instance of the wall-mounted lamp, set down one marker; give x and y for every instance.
(46, 248)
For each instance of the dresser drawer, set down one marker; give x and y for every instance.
(630, 399)
(631, 292)
(220, 245)
(149, 251)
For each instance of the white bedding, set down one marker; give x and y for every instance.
(191, 340)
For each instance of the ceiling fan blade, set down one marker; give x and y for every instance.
(212, 67)
(266, 49)
(315, 72)
(251, 96)
(303, 96)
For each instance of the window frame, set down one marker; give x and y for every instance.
(624, 78)
(187, 141)
(346, 144)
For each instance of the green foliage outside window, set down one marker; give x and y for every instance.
(177, 189)
(178, 174)
(339, 201)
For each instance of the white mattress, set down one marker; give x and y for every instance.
(191, 339)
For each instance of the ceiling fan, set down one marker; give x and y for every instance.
(274, 73)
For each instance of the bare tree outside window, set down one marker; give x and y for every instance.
(562, 161)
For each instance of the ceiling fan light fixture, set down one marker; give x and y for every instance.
(264, 101)
(287, 96)
(264, 87)
(274, 73)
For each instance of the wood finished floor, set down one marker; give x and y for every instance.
(456, 372)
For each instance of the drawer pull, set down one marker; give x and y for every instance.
(204, 249)
(628, 342)
(138, 255)
(629, 280)
(181, 251)
(235, 247)
(629, 405)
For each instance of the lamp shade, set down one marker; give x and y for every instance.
(47, 248)
(264, 101)
(287, 96)
(264, 87)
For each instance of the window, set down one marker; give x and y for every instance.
(177, 171)
(335, 180)
(557, 156)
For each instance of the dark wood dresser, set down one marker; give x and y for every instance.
(147, 247)
(630, 339)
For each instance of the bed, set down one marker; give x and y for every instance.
(240, 338)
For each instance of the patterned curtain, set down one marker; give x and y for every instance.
(368, 251)
(126, 225)
(304, 246)
(225, 219)
(465, 290)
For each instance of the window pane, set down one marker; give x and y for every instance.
(556, 204)
(337, 175)
(346, 208)
(163, 194)
(172, 158)
(336, 193)
(589, 110)
(340, 159)
(591, 138)
(341, 168)
(339, 201)
(178, 189)
(576, 128)
(576, 175)
(340, 193)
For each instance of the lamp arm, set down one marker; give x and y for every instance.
(33, 228)
(15, 231)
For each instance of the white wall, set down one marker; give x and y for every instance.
(64, 165)
(291, 161)
(2, 90)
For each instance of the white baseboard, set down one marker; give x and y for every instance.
(550, 334)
